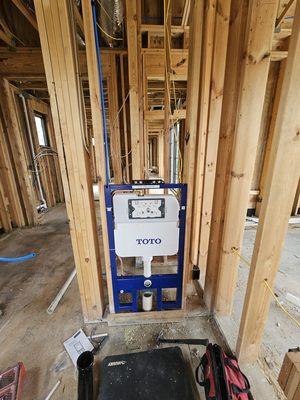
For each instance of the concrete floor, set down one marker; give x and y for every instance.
(280, 333)
(29, 334)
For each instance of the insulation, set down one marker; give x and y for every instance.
(111, 21)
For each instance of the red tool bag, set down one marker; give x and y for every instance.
(222, 377)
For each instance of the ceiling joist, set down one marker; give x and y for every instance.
(26, 12)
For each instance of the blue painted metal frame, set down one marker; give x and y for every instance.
(133, 284)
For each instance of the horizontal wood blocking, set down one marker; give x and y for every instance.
(154, 115)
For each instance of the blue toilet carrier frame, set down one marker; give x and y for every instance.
(135, 283)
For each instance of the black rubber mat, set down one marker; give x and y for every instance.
(159, 374)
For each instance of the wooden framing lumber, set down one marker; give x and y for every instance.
(186, 13)
(296, 204)
(5, 217)
(265, 166)
(214, 121)
(124, 118)
(27, 63)
(283, 13)
(140, 318)
(18, 151)
(220, 286)
(27, 14)
(78, 18)
(96, 106)
(158, 115)
(7, 38)
(204, 98)
(133, 74)
(281, 183)
(154, 61)
(53, 144)
(160, 28)
(278, 55)
(6, 35)
(161, 154)
(145, 123)
(141, 92)
(167, 84)
(10, 184)
(113, 105)
(57, 34)
(235, 50)
(49, 174)
(191, 123)
(55, 174)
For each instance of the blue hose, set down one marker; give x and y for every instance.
(28, 256)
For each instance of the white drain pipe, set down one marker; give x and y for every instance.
(147, 301)
(147, 266)
(60, 294)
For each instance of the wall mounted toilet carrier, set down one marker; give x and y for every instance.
(146, 223)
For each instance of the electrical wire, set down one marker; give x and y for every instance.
(112, 151)
(120, 109)
(46, 151)
(127, 154)
(107, 34)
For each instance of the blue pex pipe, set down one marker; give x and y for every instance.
(28, 256)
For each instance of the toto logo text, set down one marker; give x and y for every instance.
(148, 241)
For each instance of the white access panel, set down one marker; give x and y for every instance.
(146, 225)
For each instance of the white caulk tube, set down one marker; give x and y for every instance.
(147, 301)
(147, 266)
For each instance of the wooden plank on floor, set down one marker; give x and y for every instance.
(151, 317)
(281, 183)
